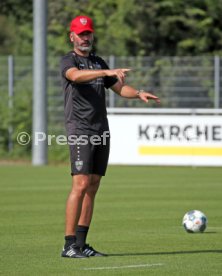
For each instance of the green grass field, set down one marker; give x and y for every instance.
(137, 221)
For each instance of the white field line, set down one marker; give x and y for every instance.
(122, 267)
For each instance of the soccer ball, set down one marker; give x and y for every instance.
(194, 221)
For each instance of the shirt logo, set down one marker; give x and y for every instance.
(81, 66)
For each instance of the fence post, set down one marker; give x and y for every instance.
(10, 99)
(216, 82)
(111, 94)
(39, 123)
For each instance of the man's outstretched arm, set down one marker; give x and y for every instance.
(78, 76)
(127, 91)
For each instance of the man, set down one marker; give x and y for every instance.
(84, 78)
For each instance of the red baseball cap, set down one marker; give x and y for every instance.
(81, 24)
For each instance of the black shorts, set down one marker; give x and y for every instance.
(89, 156)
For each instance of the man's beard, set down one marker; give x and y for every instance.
(85, 48)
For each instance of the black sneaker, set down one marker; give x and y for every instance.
(91, 252)
(73, 251)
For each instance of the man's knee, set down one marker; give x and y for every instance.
(95, 179)
(80, 184)
(94, 184)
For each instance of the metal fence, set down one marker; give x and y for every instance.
(180, 82)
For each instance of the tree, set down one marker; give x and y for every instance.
(123, 27)
(16, 27)
(178, 27)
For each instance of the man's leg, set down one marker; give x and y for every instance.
(80, 184)
(87, 210)
(86, 217)
(88, 201)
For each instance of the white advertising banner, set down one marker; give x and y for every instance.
(166, 140)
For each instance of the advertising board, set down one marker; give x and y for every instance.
(166, 140)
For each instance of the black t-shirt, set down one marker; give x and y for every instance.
(84, 103)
